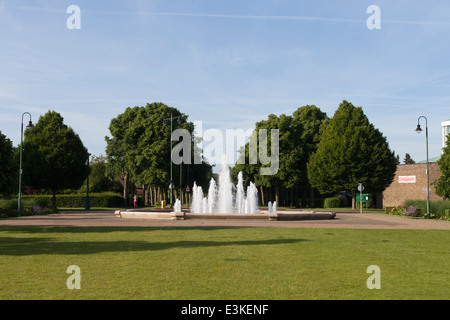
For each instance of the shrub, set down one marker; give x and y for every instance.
(447, 214)
(387, 210)
(106, 199)
(334, 202)
(437, 208)
(43, 202)
(8, 208)
(397, 211)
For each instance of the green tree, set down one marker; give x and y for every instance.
(54, 156)
(351, 151)
(443, 183)
(299, 135)
(98, 178)
(408, 159)
(7, 166)
(285, 174)
(139, 149)
(308, 124)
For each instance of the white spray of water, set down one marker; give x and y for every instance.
(177, 206)
(220, 197)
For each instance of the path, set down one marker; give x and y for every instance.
(342, 220)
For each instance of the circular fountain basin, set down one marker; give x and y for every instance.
(282, 216)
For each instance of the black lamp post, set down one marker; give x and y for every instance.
(87, 203)
(29, 126)
(419, 130)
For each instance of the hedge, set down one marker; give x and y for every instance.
(437, 208)
(334, 202)
(78, 200)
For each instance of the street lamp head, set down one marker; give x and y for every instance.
(30, 125)
(418, 129)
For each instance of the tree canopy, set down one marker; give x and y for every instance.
(99, 180)
(299, 134)
(443, 183)
(139, 148)
(408, 159)
(351, 151)
(54, 157)
(7, 166)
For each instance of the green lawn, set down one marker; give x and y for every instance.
(222, 263)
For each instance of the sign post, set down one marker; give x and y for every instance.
(360, 188)
(187, 196)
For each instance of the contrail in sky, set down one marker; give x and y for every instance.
(231, 16)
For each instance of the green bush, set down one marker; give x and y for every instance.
(409, 211)
(437, 208)
(8, 204)
(447, 214)
(397, 211)
(107, 199)
(334, 202)
(8, 208)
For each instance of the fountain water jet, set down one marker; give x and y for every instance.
(197, 199)
(225, 198)
(212, 196)
(177, 206)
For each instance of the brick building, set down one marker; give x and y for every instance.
(410, 183)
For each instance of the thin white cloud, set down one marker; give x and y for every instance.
(423, 23)
(231, 16)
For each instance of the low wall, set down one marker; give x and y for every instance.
(301, 215)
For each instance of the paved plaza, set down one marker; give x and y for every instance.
(342, 220)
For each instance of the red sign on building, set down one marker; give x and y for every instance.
(407, 179)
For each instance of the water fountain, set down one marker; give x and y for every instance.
(226, 198)
(272, 208)
(224, 201)
(177, 206)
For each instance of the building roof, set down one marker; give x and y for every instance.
(434, 159)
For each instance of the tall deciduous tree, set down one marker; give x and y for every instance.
(308, 124)
(54, 156)
(284, 175)
(7, 172)
(99, 181)
(140, 146)
(443, 183)
(351, 151)
(299, 135)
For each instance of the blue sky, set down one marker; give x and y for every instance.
(227, 63)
